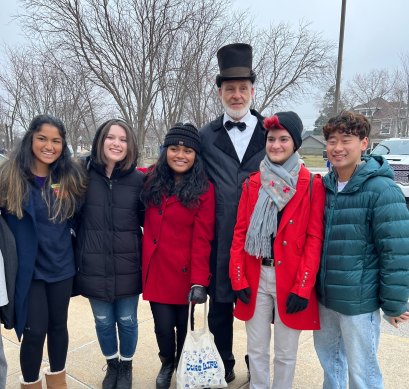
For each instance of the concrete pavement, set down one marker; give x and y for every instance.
(85, 362)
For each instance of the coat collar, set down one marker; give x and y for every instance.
(257, 143)
(100, 169)
(224, 143)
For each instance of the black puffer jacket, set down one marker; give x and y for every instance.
(108, 243)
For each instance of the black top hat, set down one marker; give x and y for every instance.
(235, 63)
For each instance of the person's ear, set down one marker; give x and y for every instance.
(364, 143)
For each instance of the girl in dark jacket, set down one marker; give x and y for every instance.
(109, 247)
(178, 231)
(40, 186)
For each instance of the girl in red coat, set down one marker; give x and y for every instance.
(178, 230)
(275, 253)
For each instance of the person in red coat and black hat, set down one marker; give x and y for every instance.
(178, 232)
(275, 254)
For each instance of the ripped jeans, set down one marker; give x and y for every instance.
(108, 316)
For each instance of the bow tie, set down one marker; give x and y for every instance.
(240, 125)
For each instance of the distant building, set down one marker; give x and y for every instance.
(388, 119)
(312, 145)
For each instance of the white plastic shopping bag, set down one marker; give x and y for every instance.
(200, 365)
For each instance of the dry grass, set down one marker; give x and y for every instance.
(314, 161)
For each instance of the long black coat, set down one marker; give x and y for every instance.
(108, 243)
(227, 174)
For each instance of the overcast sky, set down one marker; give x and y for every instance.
(376, 31)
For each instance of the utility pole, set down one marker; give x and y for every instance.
(340, 50)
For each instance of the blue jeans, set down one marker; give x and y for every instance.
(121, 313)
(347, 345)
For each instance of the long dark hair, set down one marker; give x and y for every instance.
(64, 174)
(160, 182)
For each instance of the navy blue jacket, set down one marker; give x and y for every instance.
(25, 235)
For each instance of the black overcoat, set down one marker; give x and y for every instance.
(227, 174)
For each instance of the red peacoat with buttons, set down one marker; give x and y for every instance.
(176, 248)
(297, 251)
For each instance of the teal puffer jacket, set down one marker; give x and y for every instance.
(365, 260)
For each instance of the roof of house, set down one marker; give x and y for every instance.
(318, 138)
(375, 103)
(383, 108)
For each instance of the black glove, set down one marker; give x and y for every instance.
(197, 294)
(296, 303)
(243, 295)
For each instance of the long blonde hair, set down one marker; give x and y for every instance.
(66, 180)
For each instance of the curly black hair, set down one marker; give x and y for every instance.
(349, 123)
(160, 182)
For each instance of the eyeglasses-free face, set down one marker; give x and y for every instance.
(47, 145)
(180, 158)
(279, 146)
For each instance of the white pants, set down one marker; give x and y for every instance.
(259, 336)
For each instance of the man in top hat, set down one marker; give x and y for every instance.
(232, 148)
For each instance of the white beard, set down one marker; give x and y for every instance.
(236, 114)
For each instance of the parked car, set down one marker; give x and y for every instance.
(396, 152)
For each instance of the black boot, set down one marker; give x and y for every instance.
(165, 373)
(111, 375)
(246, 359)
(124, 375)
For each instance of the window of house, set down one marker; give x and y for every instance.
(366, 112)
(385, 129)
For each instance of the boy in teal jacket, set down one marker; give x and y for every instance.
(365, 259)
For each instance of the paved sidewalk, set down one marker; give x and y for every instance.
(85, 361)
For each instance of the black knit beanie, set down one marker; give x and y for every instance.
(293, 124)
(183, 134)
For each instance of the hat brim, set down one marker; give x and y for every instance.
(220, 79)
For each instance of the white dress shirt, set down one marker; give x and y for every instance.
(241, 139)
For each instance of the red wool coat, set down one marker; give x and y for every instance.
(176, 249)
(297, 251)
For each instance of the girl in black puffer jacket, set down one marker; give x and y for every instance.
(108, 248)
